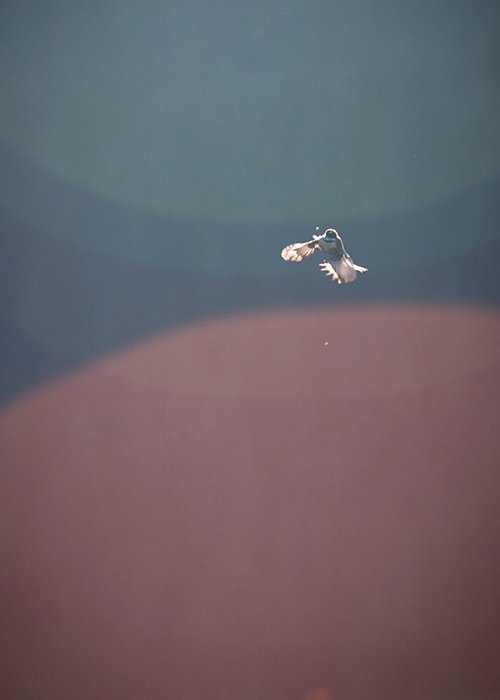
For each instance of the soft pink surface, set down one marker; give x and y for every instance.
(239, 511)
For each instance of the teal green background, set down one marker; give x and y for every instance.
(261, 112)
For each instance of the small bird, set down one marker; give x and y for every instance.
(337, 264)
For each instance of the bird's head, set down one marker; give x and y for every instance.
(331, 234)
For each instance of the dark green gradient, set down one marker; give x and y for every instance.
(258, 112)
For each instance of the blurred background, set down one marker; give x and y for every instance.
(224, 476)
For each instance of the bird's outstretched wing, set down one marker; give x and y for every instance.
(296, 252)
(343, 270)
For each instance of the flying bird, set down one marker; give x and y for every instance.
(337, 264)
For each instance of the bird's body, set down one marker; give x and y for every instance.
(337, 264)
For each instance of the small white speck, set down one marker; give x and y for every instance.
(326, 342)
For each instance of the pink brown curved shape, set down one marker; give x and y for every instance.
(238, 510)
